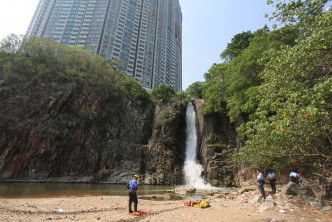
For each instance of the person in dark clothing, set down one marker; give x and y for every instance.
(133, 187)
(260, 180)
(271, 176)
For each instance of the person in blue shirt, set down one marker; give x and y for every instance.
(260, 180)
(132, 187)
(271, 176)
(294, 177)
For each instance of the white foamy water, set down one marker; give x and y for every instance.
(192, 169)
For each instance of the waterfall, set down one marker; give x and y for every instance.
(192, 169)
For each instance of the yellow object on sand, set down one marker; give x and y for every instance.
(204, 204)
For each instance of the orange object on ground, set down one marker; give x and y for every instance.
(188, 203)
(139, 213)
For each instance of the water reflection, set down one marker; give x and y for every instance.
(36, 190)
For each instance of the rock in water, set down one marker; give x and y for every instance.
(185, 190)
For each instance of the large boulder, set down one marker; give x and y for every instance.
(207, 192)
(304, 194)
(185, 190)
(290, 189)
(313, 190)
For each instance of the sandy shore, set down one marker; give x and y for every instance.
(115, 208)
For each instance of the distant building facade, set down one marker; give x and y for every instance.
(145, 34)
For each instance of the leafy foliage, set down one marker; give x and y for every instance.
(214, 89)
(45, 59)
(183, 97)
(164, 93)
(237, 82)
(195, 90)
(169, 117)
(293, 119)
(301, 13)
(239, 44)
(168, 141)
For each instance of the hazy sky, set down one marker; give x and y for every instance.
(208, 25)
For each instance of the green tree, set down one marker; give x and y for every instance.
(164, 93)
(237, 82)
(195, 90)
(243, 74)
(213, 91)
(293, 118)
(239, 43)
(12, 43)
(296, 12)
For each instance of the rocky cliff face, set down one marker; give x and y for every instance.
(78, 133)
(217, 139)
(161, 160)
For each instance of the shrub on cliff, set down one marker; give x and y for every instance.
(169, 117)
(164, 93)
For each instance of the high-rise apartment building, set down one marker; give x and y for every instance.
(145, 34)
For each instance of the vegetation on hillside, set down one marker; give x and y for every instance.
(42, 59)
(277, 86)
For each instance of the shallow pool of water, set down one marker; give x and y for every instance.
(39, 190)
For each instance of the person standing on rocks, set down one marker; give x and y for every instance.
(272, 177)
(260, 180)
(294, 177)
(133, 187)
